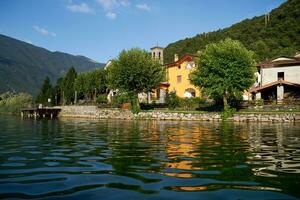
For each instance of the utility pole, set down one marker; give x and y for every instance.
(267, 19)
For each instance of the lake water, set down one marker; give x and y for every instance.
(113, 159)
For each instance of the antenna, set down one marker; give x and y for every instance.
(267, 18)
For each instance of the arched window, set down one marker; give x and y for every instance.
(153, 54)
(190, 92)
(159, 55)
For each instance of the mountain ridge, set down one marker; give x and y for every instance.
(280, 36)
(24, 66)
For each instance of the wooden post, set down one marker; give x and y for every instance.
(75, 100)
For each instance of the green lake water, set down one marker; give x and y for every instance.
(115, 159)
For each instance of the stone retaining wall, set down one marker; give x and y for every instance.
(95, 112)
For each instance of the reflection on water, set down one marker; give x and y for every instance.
(110, 159)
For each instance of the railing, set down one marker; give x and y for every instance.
(270, 104)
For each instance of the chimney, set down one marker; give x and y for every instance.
(176, 57)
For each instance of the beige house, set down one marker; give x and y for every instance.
(278, 79)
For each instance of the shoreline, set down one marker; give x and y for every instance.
(93, 112)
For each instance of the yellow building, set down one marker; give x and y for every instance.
(178, 76)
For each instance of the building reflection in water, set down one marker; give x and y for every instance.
(274, 148)
(254, 156)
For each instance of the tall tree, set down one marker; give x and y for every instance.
(133, 72)
(68, 86)
(224, 69)
(45, 92)
(89, 84)
(101, 80)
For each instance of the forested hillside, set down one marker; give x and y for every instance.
(279, 36)
(23, 66)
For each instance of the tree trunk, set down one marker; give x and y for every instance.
(225, 102)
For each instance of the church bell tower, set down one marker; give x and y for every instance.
(158, 53)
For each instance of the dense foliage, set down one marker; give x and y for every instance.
(45, 93)
(134, 72)
(12, 102)
(88, 86)
(23, 66)
(224, 69)
(67, 87)
(280, 36)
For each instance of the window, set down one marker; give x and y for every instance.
(280, 76)
(189, 93)
(153, 54)
(179, 66)
(159, 55)
(179, 79)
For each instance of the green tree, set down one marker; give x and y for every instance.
(80, 84)
(101, 80)
(89, 84)
(57, 92)
(67, 86)
(46, 92)
(13, 102)
(224, 69)
(134, 72)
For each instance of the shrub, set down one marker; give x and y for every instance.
(192, 103)
(172, 100)
(101, 99)
(120, 98)
(228, 113)
(12, 103)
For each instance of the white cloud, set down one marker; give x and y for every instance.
(111, 15)
(112, 4)
(124, 3)
(44, 31)
(143, 6)
(111, 7)
(81, 8)
(108, 4)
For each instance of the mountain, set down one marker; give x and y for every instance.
(23, 66)
(279, 36)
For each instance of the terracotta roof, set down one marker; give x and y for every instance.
(279, 63)
(186, 57)
(157, 47)
(279, 82)
(165, 84)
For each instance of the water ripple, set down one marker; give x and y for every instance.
(111, 159)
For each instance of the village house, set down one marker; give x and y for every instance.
(177, 76)
(278, 79)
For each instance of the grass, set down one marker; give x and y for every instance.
(208, 112)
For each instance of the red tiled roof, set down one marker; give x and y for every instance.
(279, 82)
(186, 57)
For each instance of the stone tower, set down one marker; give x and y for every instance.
(158, 53)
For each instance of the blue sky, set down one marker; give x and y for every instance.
(100, 29)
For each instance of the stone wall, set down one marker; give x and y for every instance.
(95, 112)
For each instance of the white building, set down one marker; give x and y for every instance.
(278, 79)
